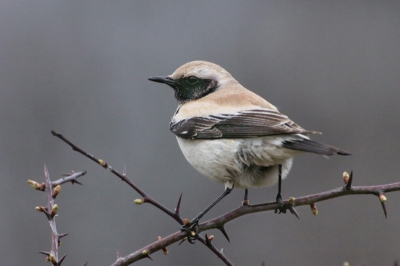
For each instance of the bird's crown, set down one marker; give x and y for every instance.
(202, 70)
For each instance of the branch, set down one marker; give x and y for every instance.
(67, 178)
(50, 211)
(219, 222)
(123, 177)
(146, 198)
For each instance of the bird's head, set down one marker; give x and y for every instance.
(195, 80)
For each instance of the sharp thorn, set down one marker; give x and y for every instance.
(384, 209)
(44, 253)
(62, 259)
(85, 264)
(222, 229)
(207, 240)
(348, 185)
(148, 256)
(118, 255)
(294, 212)
(124, 171)
(178, 205)
(183, 240)
(62, 235)
(77, 182)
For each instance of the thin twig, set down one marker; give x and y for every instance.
(123, 177)
(146, 198)
(51, 210)
(247, 209)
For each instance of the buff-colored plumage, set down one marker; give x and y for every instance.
(230, 134)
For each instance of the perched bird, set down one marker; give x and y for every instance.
(230, 134)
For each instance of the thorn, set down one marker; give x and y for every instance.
(183, 240)
(124, 171)
(384, 208)
(207, 240)
(77, 182)
(178, 205)
(44, 253)
(146, 254)
(245, 200)
(222, 250)
(85, 264)
(348, 185)
(62, 259)
(222, 229)
(294, 212)
(62, 235)
(118, 255)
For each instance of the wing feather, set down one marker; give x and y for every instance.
(244, 124)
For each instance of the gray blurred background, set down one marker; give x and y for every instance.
(81, 68)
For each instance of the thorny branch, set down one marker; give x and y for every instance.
(50, 210)
(244, 209)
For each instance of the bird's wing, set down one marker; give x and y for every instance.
(243, 124)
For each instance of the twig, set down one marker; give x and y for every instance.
(67, 178)
(123, 177)
(219, 222)
(51, 210)
(246, 208)
(144, 253)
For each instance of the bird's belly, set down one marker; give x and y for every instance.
(244, 162)
(212, 158)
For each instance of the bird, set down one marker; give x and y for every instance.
(232, 135)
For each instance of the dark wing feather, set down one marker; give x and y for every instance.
(314, 147)
(245, 124)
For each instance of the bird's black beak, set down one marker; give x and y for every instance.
(166, 80)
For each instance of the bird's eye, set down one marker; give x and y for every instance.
(192, 80)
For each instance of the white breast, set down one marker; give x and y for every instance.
(247, 163)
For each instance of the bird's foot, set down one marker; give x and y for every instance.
(281, 206)
(192, 230)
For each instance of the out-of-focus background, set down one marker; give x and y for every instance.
(81, 68)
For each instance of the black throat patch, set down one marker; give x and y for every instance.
(193, 88)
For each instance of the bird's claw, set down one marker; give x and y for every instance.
(192, 230)
(281, 208)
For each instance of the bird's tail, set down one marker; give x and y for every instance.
(307, 145)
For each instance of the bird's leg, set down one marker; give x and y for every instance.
(279, 196)
(194, 224)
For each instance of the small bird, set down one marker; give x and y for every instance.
(230, 134)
